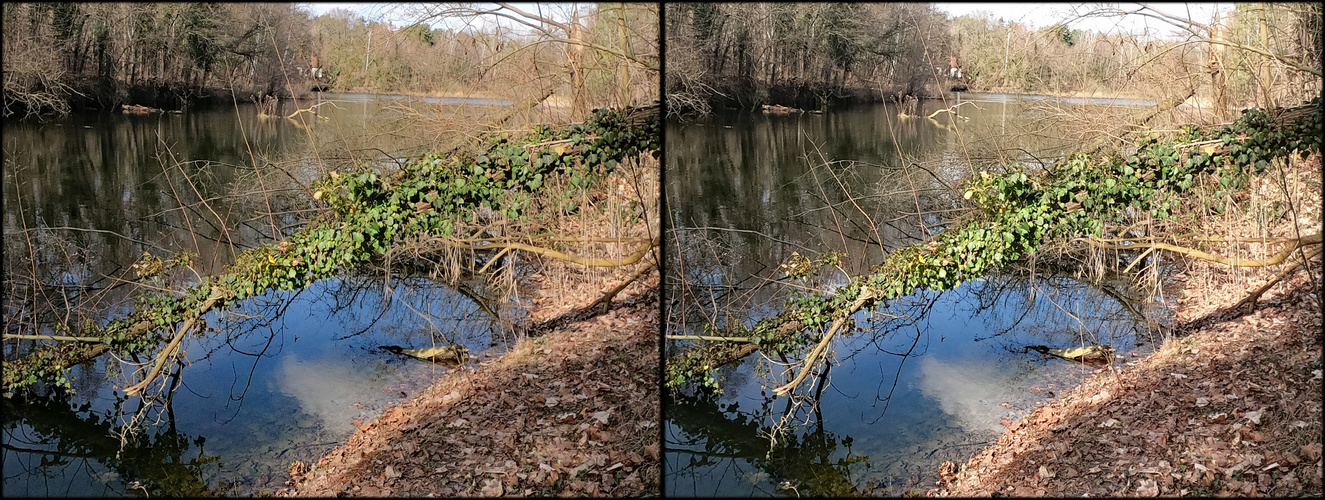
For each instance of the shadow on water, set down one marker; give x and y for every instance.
(917, 381)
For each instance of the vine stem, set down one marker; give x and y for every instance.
(865, 295)
(174, 344)
(61, 338)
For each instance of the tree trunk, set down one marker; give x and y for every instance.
(574, 52)
(1265, 79)
(623, 65)
(1217, 78)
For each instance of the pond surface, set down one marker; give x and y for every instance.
(924, 379)
(280, 377)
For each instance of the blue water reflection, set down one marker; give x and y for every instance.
(281, 377)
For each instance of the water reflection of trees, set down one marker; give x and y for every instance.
(46, 436)
(745, 196)
(798, 462)
(1016, 309)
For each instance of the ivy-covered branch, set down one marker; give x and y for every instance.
(1018, 213)
(369, 214)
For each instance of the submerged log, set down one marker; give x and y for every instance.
(138, 109)
(1094, 354)
(455, 354)
(778, 109)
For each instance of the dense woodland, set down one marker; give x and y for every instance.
(804, 55)
(799, 53)
(168, 55)
(157, 54)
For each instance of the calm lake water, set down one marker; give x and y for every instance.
(277, 378)
(924, 379)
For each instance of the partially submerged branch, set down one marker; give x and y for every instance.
(866, 295)
(169, 352)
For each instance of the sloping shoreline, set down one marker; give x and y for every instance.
(1230, 406)
(573, 412)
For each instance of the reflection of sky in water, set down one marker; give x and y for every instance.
(967, 391)
(900, 398)
(262, 394)
(282, 390)
(320, 387)
(910, 397)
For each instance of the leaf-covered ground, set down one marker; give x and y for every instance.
(1231, 406)
(574, 412)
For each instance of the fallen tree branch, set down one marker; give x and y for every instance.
(711, 338)
(1191, 252)
(1172, 102)
(60, 338)
(311, 109)
(607, 297)
(952, 110)
(865, 296)
(1250, 300)
(521, 107)
(646, 245)
(169, 351)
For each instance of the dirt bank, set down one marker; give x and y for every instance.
(1230, 406)
(573, 412)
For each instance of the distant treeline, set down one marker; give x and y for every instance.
(64, 56)
(999, 55)
(804, 55)
(807, 55)
(59, 56)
